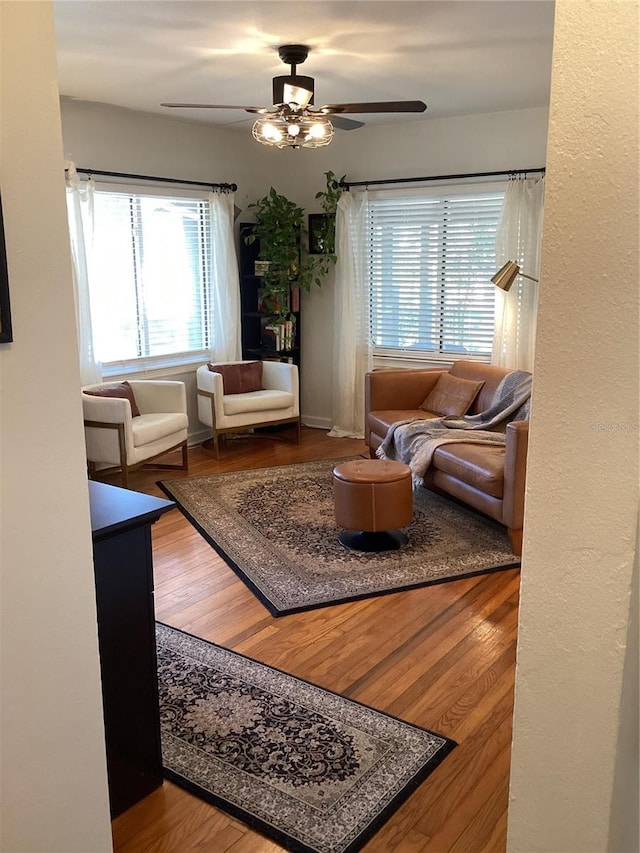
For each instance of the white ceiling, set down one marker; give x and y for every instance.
(459, 56)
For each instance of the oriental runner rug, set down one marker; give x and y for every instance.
(314, 771)
(275, 528)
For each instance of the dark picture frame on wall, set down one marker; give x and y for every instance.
(6, 334)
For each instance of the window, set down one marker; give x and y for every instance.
(149, 275)
(431, 258)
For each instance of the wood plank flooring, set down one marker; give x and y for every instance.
(442, 657)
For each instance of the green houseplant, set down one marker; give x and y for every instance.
(326, 229)
(279, 226)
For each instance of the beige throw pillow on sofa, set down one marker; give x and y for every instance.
(451, 396)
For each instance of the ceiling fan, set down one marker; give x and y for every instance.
(293, 121)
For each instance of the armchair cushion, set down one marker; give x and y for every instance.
(154, 427)
(118, 389)
(258, 401)
(240, 378)
(451, 396)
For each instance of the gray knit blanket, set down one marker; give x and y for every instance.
(415, 441)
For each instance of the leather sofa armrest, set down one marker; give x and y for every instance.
(398, 389)
(515, 474)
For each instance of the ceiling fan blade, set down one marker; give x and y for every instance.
(346, 123)
(219, 107)
(375, 107)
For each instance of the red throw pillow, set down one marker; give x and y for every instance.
(239, 378)
(451, 396)
(118, 389)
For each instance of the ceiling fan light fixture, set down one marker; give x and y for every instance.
(298, 131)
(265, 131)
(293, 122)
(318, 129)
(297, 97)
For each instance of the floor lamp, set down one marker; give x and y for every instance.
(506, 275)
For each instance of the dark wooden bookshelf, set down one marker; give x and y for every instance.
(257, 342)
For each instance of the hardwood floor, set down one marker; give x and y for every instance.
(442, 657)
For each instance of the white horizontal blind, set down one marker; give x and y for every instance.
(432, 257)
(149, 274)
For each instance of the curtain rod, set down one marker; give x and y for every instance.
(232, 187)
(348, 184)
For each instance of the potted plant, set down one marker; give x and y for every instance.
(325, 226)
(279, 226)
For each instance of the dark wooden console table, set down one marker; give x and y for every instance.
(121, 526)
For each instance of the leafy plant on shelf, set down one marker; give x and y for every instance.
(279, 226)
(326, 234)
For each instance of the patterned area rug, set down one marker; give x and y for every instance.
(275, 527)
(313, 770)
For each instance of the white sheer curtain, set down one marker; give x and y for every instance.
(518, 239)
(352, 348)
(225, 302)
(80, 216)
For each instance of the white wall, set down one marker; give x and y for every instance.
(53, 773)
(102, 137)
(575, 758)
(98, 136)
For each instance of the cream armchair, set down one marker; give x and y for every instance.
(116, 439)
(277, 403)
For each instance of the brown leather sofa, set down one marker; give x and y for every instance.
(489, 478)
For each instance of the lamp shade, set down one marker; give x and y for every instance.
(506, 275)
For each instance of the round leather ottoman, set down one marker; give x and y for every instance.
(373, 498)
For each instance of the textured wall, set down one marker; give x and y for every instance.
(582, 496)
(54, 785)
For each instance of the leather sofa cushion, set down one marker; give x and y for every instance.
(451, 396)
(479, 465)
(490, 374)
(379, 422)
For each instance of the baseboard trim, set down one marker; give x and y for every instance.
(316, 423)
(195, 438)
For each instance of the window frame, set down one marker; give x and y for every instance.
(387, 356)
(165, 364)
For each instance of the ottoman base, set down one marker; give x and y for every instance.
(369, 541)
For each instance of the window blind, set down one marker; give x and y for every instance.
(432, 255)
(149, 274)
